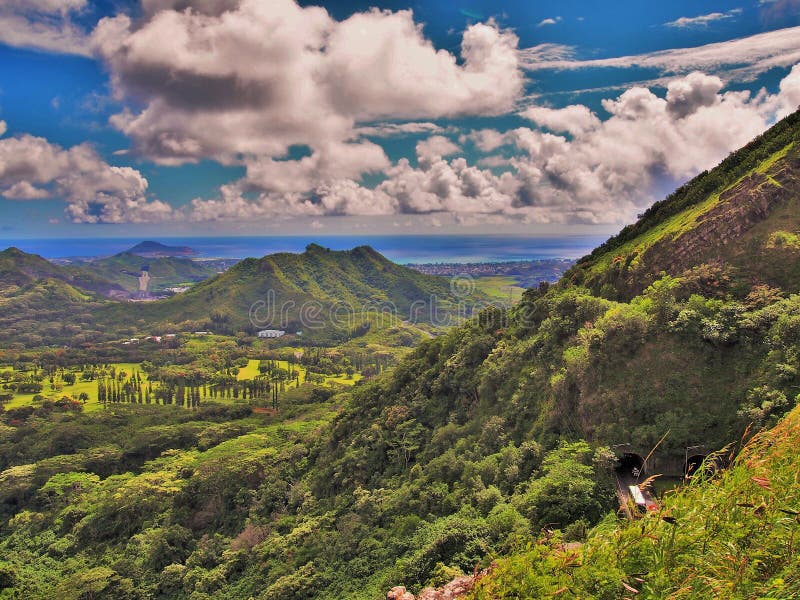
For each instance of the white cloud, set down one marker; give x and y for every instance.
(3, 128)
(95, 192)
(574, 119)
(435, 147)
(789, 95)
(703, 20)
(494, 161)
(486, 140)
(685, 96)
(739, 59)
(605, 173)
(43, 25)
(242, 81)
(24, 190)
(326, 164)
(549, 21)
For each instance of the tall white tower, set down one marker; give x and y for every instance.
(144, 281)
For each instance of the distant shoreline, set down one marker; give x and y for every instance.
(402, 249)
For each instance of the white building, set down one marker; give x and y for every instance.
(271, 333)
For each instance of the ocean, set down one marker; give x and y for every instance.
(402, 249)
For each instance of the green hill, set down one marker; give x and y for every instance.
(303, 292)
(18, 269)
(328, 295)
(165, 271)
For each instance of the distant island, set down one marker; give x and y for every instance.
(150, 249)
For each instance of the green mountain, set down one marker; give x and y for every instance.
(740, 219)
(18, 269)
(306, 292)
(328, 295)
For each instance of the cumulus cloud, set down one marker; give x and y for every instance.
(95, 192)
(685, 96)
(605, 172)
(43, 25)
(242, 81)
(574, 119)
(486, 140)
(789, 96)
(327, 163)
(436, 147)
(703, 20)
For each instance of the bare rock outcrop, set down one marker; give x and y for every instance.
(458, 588)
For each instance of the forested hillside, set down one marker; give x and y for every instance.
(725, 536)
(19, 269)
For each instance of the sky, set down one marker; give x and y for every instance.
(248, 117)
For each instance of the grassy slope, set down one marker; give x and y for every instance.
(731, 536)
(768, 159)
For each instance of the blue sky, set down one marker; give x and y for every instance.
(228, 117)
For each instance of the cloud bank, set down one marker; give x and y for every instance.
(604, 171)
(242, 82)
(31, 168)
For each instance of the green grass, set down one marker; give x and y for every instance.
(251, 371)
(505, 289)
(73, 391)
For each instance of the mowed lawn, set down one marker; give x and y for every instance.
(90, 387)
(251, 371)
(500, 288)
(74, 391)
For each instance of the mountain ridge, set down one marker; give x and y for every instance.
(697, 222)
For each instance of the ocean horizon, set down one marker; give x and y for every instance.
(403, 249)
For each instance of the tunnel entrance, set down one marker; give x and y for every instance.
(629, 472)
